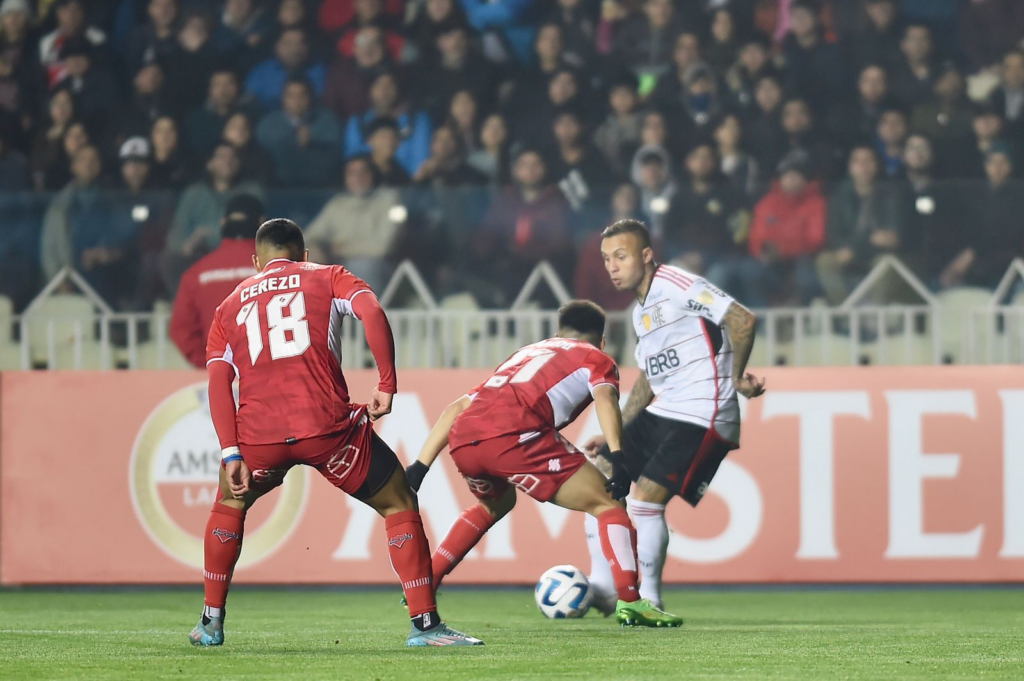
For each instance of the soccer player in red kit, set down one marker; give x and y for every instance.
(280, 333)
(503, 436)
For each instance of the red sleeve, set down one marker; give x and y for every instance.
(217, 348)
(185, 329)
(602, 370)
(222, 403)
(378, 336)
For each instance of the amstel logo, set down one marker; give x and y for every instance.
(173, 478)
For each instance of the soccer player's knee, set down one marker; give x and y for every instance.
(650, 491)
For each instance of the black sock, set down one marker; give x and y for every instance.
(427, 620)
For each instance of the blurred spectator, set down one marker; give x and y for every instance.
(994, 238)
(491, 158)
(257, 166)
(347, 90)
(383, 139)
(336, 14)
(358, 228)
(787, 231)
(814, 67)
(93, 86)
(937, 230)
(735, 164)
(155, 41)
(204, 125)
(577, 167)
(291, 58)
(171, 169)
(947, 119)
(644, 40)
(370, 13)
(463, 119)
(194, 229)
(446, 167)
(304, 140)
(49, 165)
(71, 23)
(433, 17)
(878, 41)
(527, 223)
(988, 130)
(208, 282)
(670, 89)
(148, 213)
(866, 219)
(293, 14)
(619, 135)
(14, 175)
(764, 128)
(856, 122)
(549, 56)
(241, 31)
(723, 46)
(591, 281)
(914, 76)
(891, 140)
(147, 101)
(652, 173)
(82, 231)
(801, 133)
(989, 29)
(193, 60)
(387, 102)
(458, 65)
(1008, 98)
(21, 79)
(654, 131)
(707, 218)
(578, 21)
(533, 115)
(506, 27)
(754, 61)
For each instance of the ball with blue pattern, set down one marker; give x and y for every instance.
(563, 592)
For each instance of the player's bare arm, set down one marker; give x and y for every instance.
(741, 326)
(606, 403)
(222, 410)
(639, 397)
(382, 346)
(436, 441)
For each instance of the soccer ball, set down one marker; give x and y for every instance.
(563, 591)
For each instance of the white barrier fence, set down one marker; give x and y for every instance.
(79, 332)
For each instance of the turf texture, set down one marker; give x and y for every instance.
(859, 634)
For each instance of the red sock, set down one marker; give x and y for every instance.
(223, 544)
(410, 559)
(464, 535)
(618, 540)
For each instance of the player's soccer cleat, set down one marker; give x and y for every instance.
(643, 613)
(441, 635)
(211, 634)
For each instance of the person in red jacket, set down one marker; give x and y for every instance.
(788, 230)
(209, 281)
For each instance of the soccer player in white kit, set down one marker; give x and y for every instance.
(682, 416)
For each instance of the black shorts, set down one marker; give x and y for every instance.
(682, 457)
(383, 463)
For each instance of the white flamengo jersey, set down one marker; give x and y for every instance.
(685, 353)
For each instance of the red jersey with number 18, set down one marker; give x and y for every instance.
(544, 386)
(281, 331)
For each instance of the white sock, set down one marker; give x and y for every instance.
(601, 581)
(651, 545)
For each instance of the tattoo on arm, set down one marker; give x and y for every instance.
(639, 398)
(741, 325)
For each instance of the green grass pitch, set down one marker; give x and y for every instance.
(870, 634)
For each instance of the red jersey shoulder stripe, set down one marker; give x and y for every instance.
(678, 274)
(673, 280)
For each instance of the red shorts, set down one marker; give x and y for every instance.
(354, 460)
(537, 465)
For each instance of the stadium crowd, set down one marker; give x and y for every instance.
(778, 146)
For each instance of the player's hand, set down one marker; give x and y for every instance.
(414, 473)
(239, 477)
(619, 482)
(750, 386)
(593, 445)
(380, 404)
